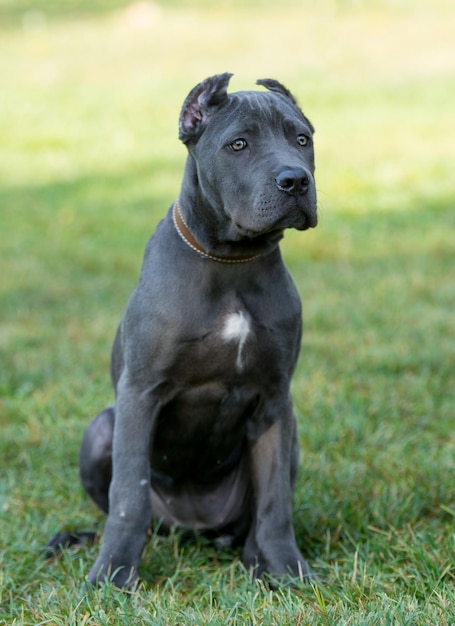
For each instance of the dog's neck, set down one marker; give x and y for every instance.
(208, 225)
(187, 236)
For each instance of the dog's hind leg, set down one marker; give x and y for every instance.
(95, 457)
(95, 466)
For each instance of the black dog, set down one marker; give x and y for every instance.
(202, 434)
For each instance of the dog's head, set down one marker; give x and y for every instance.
(254, 156)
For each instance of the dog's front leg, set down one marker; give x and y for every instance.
(130, 508)
(270, 547)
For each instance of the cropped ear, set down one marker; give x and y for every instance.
(273, 85)
(200, 105)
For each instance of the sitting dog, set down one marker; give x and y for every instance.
(202, 434)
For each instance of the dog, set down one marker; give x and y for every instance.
(202, 435)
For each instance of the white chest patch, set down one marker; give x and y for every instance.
(236, 328)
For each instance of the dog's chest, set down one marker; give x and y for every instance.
(236, 344)
(234, 339)
(236, 332)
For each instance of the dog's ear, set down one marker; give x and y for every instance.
(273, 85)
(201, 104)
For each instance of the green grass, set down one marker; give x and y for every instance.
(89, 162)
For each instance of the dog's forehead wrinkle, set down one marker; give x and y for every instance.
(263, 110)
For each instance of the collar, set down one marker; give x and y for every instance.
(185, 233)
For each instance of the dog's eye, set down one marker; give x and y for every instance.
(238, 144)
(302, 140)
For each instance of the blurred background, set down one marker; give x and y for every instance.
(94, 88)
(90, 160)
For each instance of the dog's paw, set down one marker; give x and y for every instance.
(292, 578)
(279, 565)
(122, 576)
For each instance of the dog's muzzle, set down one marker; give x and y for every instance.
(296, 182)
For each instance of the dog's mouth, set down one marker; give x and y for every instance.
(298, 219)
(248, 233)
(310, 221)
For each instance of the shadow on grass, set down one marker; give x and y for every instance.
(86, 237)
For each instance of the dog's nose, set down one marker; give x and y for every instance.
(294, 181)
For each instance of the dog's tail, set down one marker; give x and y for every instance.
(66, 539)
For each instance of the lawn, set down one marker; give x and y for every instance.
(89, 163)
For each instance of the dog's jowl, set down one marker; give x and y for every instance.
(202, 434)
